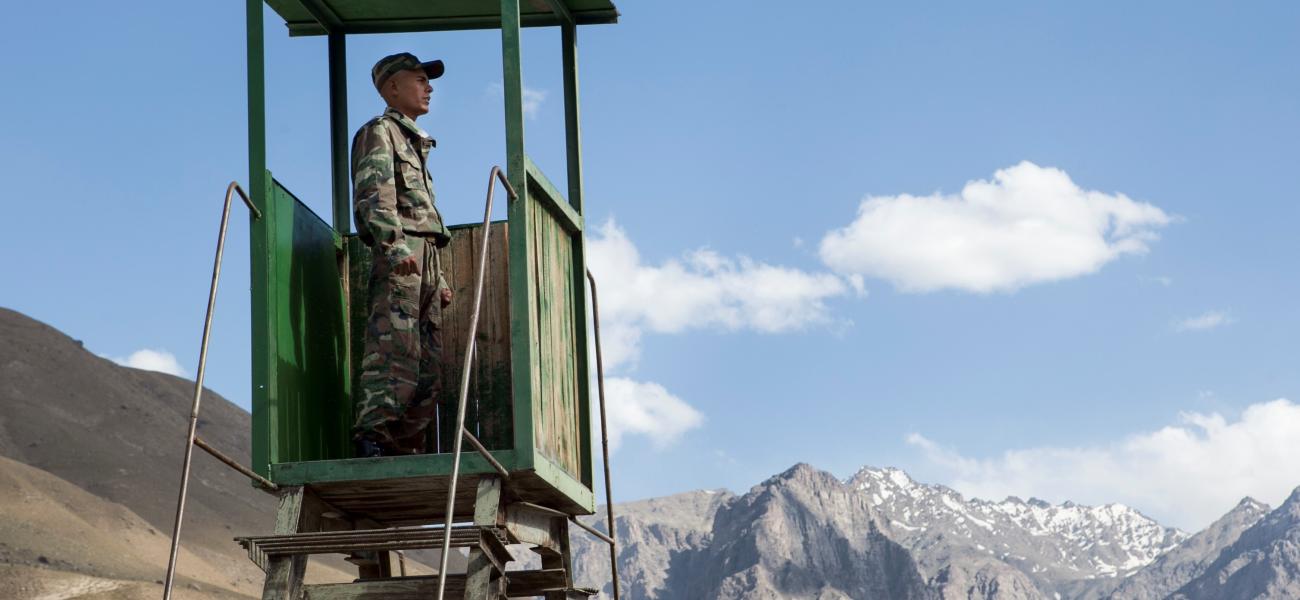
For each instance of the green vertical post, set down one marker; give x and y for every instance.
(261, 230)
(339, 169)
(522, 287)
(572, 125)
(340, 180)
(573, 146)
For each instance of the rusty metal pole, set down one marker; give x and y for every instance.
(234, 464)
(464, 376)
(198, 383)
(604, 435)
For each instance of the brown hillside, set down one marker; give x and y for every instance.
(118, 434)
(56, 538)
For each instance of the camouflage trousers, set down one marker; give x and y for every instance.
(403, 347)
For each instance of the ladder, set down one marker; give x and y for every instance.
(307, 525)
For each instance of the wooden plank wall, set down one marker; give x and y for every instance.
(555, 406)
(489, 410)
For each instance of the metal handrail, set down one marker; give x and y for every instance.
(604, 438)
(198, 381)
(493, 176)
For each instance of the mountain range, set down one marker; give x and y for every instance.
(90, 450)
(879, 534)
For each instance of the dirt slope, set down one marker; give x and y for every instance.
(52, 525)
(105, 443)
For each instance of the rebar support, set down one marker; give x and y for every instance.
(604, 436)
(493, 176)
(198, 381)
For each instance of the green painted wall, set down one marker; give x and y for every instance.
(300, 392)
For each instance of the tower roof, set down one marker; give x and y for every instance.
(318, 17)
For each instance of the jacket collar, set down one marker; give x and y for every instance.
(409, 124)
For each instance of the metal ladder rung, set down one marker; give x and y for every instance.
(368, 539)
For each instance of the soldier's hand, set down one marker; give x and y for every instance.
(444, 296)
(408, 266)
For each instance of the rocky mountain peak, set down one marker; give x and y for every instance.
(1263, 562)
(1051, 543)
(1249, 503)
(1292, 503)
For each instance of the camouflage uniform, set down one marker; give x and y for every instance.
(396, 217)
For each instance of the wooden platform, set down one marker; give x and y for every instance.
(519, 584)
(310, 523)
(491, 541)
(420, 501)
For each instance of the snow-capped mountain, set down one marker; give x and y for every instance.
(1055, 545)
(881, 534)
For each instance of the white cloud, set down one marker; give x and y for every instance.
(1208, 320)
(1187, 474)
(698, 290)
(647, 409)
(533, 98)
(152, 360)
(701, 289)
(1028, 225)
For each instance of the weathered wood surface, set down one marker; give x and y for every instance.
(488, 414)
(536, 528)
(421, 500)
(520, 584)
(489, 411)
(391, 589)
(555, 394)
(299, 512)
(483, 571)
(345, 542)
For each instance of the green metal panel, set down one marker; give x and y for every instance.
(300, 395)
(316, 17)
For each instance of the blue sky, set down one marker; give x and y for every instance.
(1139, 169)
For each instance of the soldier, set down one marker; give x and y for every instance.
(395, 215)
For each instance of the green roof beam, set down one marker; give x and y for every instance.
(305, 28)
(562, 11)
(324, 15)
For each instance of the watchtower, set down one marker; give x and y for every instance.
(528, 384)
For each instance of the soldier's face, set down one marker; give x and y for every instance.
(410, 92)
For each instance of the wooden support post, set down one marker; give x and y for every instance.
(372, 564)
(299, 512)
(482, 581)
(562, 560)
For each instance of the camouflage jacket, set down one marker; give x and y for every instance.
(392, 190)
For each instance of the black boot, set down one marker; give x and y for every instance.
(367, 448)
